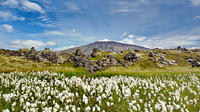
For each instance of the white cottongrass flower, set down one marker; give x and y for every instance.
(6, 110)
(56, 92)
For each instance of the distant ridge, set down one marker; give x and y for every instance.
(104, 46)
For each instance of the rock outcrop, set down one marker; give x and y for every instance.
(160, 57)
(180, 48)
(151, 54)
(53, 57)
(40, 56)
(131, 57)
(194, 62)
(99, 60)
(81, 60)
(95, 53)
(166, 62)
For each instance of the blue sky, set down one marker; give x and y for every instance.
(61, 24)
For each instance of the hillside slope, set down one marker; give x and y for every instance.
(142, 66)
(105, 46)
(13, 63)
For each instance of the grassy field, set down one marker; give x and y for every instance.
(44, 91)
(11, 63)
(144, 86)
(142, 67)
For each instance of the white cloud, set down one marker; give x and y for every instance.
(6, 16)
(63, 48)
(26, 5)
(44, 18)
(46, 24)
(194, 48)
(30, 43)
(123, 34)
(125, 10)
(54, 33)
(8, 28)
(197, 17)
(127, 41)
(131, 36)
(140, 38)
(74, 30)
(50, 43)
(126, 6)
(66, 34)
(144, 1)
(132, 39)
(192, 38)
(172, 41)
(72, 6)
(195, 2)
(10, 3)
(164, 41)
(49, 33)
(169, 41)
(31, 6)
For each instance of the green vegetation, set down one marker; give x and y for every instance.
(144, 66)
(126, 88)
(45, 91)
(11, 63)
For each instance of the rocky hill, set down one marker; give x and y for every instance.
(99, 60)
(105, 46)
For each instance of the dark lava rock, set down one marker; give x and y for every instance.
(94, 53)
(151, 54)
(194, 62)
(132, 57)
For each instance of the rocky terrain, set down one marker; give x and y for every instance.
(40, 56)
(99, 60)
(82, 60)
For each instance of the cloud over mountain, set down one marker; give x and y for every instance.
(31, 43)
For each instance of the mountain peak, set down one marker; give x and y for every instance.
(105, 45)
(104, 40)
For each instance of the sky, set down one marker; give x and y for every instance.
(62, 24)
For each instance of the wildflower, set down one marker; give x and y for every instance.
(6, 110)
(108, 104)
(85, 99)
(87, 109)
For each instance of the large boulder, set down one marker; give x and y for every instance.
(166, 62)
(94, 53)
(79, 59)
(151, 54)
(53, 57)
(182, 49)
(20, 52)
(33, 51)
(43, 56)
(153, 59)
(162, 58)
(78, 52)
(131, 57)
(194, 62)
(112, 61)
(34, 57)
(82, 62)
